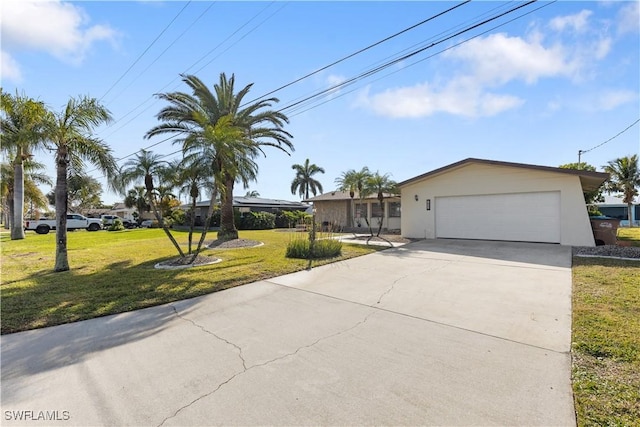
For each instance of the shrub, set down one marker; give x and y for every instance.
(179, 217)
(289, 219)
(257, 221)
(323, 248)
(116, 225)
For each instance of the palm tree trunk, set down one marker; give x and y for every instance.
(61, 195)
(228, 229)
(162, 224)
(192, 220)
(629, 212)
(8, 213)
(381, 200)
(206, 226)
(17, 226)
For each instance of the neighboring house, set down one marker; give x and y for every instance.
(337, 209)
(492, 200)
(251, 204)
(118, 209)
(615, 208)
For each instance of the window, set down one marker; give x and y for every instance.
(394, 209)
(361, 210)
(376, 210)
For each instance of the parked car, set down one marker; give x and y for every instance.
(74, 222)
(107, 220)
(146, 223)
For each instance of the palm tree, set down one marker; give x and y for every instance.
(195, 175)
(624, 178)
(144, 167)
(304, 181)
(136, 198)
(193, 117)
(32, 194)
(252, 194)
(70, 134)
(380, 184)
(353, 181)
(21, 126)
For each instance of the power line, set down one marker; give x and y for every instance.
(298, 111)
(146, 50)
(581, 152)
(402, 58)
(361, 50)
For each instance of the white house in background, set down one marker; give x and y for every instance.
(493, 200)
(337, 210)
(615, 208)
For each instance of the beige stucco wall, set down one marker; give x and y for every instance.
(337, 211)
(481, 179)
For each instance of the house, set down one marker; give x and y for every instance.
(251, 204)
(339, 210)
(614, 207)
(493, 200)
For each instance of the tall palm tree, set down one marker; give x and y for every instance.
(304, 181)
(624, 178)
(70, 134)
(380, 184)
(144, 167)
(193, 117)
(32, 193)
(22, 129)
(353, 181)
(195, 177)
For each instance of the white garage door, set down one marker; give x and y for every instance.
(521, 217)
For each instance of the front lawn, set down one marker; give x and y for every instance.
(606, 341)
(630, 234)
(113, 272)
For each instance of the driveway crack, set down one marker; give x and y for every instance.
(244, 366)
(393, 284)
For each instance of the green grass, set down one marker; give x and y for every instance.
(606, 342)
(113, 272)
(630, 234)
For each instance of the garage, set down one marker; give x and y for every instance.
(520, 217)
(494, 200)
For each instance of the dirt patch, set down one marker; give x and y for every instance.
(234, 244)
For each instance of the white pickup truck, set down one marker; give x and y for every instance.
(74, 222)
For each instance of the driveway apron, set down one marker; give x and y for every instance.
(437, 332)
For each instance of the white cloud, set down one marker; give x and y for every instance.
(629, 18)
(10, 69)
(60, 29)
(578, 22)
(614, 98)
(457, 98)
(498, 58)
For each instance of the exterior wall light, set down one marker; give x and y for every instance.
(428, 204)
(416, 197)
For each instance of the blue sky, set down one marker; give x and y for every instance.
(560, 79)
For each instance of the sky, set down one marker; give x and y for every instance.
(405, 87)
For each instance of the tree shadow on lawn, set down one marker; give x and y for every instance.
(102, 312)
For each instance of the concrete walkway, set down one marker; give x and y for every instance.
(430, 333)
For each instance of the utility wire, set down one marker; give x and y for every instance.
(298, 111)
(610, 139)
(146, 50)
(360, 51)
(402, 58)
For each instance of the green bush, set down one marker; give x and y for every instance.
(289, 219)
(257, 221)
(179, 217)
(116, 225)
(326, 248)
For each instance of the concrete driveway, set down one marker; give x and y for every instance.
(430, 333)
